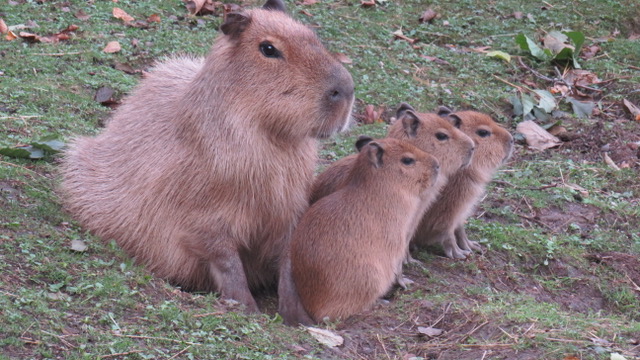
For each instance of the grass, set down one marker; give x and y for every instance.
(536, 292)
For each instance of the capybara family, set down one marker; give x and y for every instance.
(204, 170)
(349, 246)
(443, 222)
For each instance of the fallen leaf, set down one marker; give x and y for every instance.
(62, 35)
(126, 68)
(370, 114)
(577, 77)
(428, 16)
(570, 357)
(616, 356)
(559, 89)
(308, 2)
(195, 6)
(81, 15)
(325, 337)
(154, 18)
(104, 95)
(112, 47)
(430, 331)
(536, 137)
(78, 245)
(517, 15)
(589, 51)
(399, 35)
(122, 15)
(609, 161)
(305, 12)
(500, 55)
(3, 27)
(582, 109)
(634, 110)
(367, 3)
(435, 59)
(10, 36)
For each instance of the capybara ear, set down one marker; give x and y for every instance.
(455, 120)
(235, 23)
(362, 141)
(275, 5)
(444, 111)
(410, 123)
(375, 152)
(402, 109)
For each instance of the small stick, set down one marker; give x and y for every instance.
(182, 351)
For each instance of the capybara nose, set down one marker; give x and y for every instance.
(342, 89)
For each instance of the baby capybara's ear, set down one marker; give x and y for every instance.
(410, 123)
(275, 5)
(375, 151)
(362, 141)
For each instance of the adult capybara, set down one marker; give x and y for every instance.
(443, 223)
(349, 246)
(205, 169)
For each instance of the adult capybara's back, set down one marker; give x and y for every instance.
(204, 170)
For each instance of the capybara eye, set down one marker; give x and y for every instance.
(442, 136)
(483, 133)
(269, 50)
(408, 161)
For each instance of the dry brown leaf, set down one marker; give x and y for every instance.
(610, 162)
(435, 59)
(536, 137)
(10, 36)
(633, 109)
(154, 18)
(81, 15)
(342, 58)
(112, 47)
(122, 15)
(3, 27)
(367, 3)
(325, 337)
(589, 51)
(570, 357)
(194, 6)
(428, 16)
(429, 331)
(399, 35)
(308, 2)
(305, 12)
(577, 77)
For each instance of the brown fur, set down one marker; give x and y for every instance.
(349, 246)
(204, 170)
(443, 223)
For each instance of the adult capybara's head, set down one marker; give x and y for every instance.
(275, 70)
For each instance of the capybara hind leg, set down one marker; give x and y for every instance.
(463, 241)
(289, 304)
(226, 269)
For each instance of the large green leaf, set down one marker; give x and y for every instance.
(531, 46)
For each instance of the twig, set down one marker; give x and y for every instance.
(441, 317)
(156, 338)
(383, 347)
(467, 335)
(537, 74)
(511, 84)
(120, 354)
(568, 341)
(181, 352)
(542, 187)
